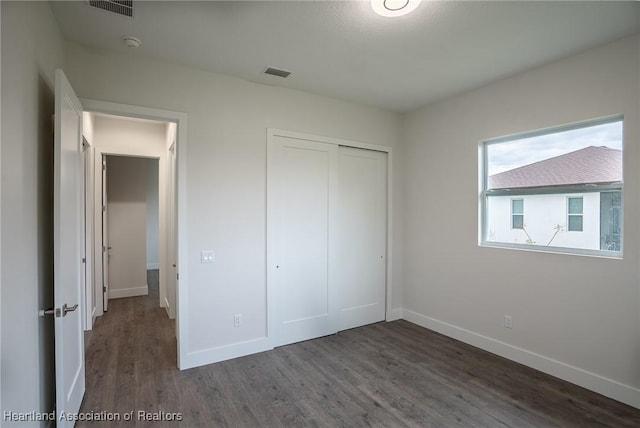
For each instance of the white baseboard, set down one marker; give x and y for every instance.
(594, 382)
(128, 292)
(394, 314)
(153, 266)
(226, 352)
(93, 319)
(167, 307)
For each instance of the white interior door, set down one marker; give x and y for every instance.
(172, 235)
(68, 185)
(105, 238)
(301, 212)
(87, 274)
(361, 232)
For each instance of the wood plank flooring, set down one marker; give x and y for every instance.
(382, 375)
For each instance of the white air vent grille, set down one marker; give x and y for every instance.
(121, 7)
(276, 72)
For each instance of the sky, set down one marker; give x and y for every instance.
(513, 154)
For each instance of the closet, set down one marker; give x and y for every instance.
(326, 237)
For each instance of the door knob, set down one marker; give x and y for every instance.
(57, 312)
(66, 309)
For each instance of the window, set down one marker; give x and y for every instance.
(517, 213)
(574, 214)
(570, 180)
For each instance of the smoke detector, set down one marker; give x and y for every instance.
(132, 42)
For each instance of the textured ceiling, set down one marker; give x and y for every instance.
(342, 49)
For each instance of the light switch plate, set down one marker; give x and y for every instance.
(207, 257)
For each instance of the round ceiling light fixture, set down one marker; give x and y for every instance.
(132, 42)
(393, 8)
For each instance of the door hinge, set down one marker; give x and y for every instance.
(104, 249)
(104, 208)
(84, 260)
(178, 276)
(104, 167)
(104, 289)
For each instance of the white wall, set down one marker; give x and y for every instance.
(226, 179)
(127, 219)
(32, 48)
(543, 214)
(122, 136)
(153, 226)
(573, 316)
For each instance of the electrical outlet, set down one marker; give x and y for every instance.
(508, 321)
(237, 320)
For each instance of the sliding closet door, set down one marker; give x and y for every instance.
(302, 176)
(361, 233)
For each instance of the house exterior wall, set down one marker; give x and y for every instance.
(543, 215)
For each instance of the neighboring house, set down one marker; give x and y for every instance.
(551, 202)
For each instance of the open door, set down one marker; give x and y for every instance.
(68, 222)
(172, 235)
(105, 238)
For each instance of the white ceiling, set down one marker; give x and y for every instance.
(343, 50)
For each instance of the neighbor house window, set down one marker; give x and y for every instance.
(517, 213)
(574, 214)
(569, 178)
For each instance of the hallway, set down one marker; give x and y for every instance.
(131, 358)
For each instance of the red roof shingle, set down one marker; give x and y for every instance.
(591, 165)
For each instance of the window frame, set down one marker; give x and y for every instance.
(484, 193)
(570, 214)
(511, 201)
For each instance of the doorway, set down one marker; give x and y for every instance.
(129, 154)
(172, 168)
(134, 170)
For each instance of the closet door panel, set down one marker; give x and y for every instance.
(361, 233)
(301, 194)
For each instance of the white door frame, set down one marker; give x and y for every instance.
(180, 119)
(271, 299)
(103, 243)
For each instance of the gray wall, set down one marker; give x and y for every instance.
(127, 220)
(226, 180)
(32, 48)
(576, 317)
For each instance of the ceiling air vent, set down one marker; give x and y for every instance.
(121, 7)
(275, 72)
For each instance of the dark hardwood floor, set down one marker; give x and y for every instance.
(385, 374)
